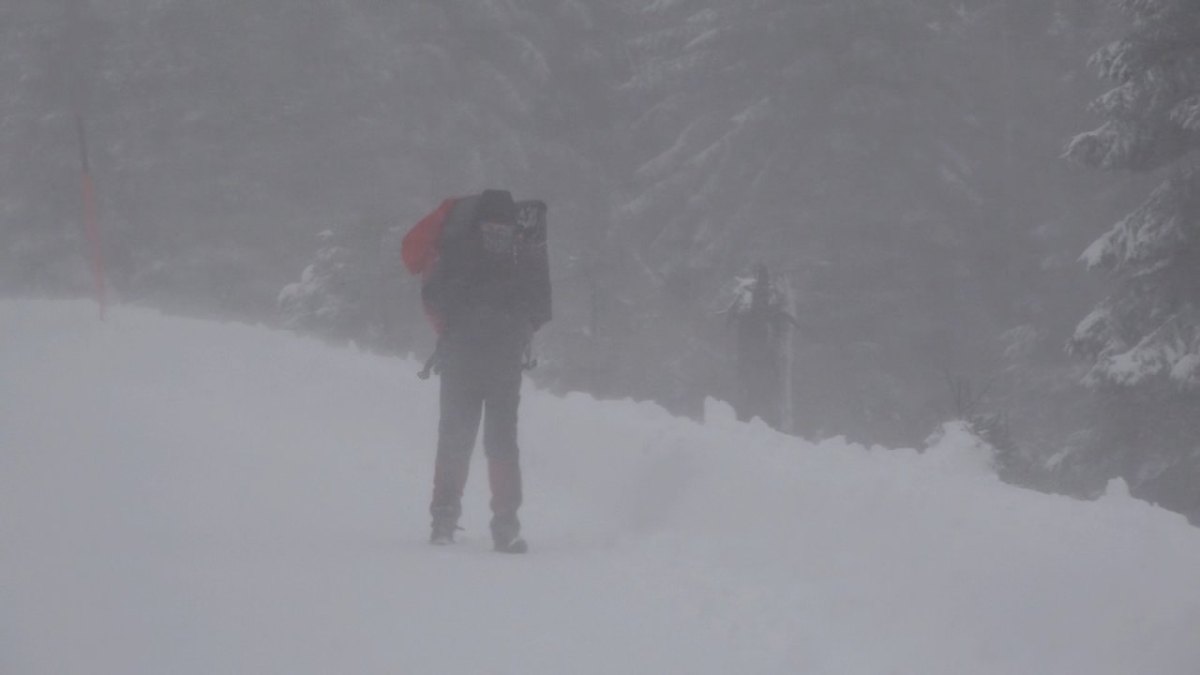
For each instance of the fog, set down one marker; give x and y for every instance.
(919, 176)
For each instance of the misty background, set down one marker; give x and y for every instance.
(923, 175)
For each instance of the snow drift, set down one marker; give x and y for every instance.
(186, 496)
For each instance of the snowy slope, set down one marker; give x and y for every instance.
(181, 496)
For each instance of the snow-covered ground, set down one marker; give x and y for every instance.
(183, 496)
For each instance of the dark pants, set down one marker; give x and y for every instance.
(760, 388)
(479, 383)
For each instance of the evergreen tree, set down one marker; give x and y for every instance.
(351, 288)
(829, 141)
(1020, 67)
(1143, 340)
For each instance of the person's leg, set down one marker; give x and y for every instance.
(761, 390)
(503, 454)
(461, 406)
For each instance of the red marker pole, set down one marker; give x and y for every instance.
(91, 225)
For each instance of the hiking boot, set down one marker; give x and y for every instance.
(506, 534)
(442, 534)
(514, 545)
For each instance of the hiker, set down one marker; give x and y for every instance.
(487, 289)
(761, 323)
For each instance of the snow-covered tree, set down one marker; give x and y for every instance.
(321, 302)
(1150, 325)
(1144, 338)
(350, 289)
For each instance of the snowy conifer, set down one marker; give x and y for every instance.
(315, 301)
(343, 293)
(1149, 326)
(1144, 338)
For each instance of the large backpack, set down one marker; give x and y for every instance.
(464, 258)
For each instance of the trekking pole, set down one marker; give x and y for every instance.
(433, 364)
(528, 362)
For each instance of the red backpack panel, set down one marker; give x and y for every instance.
(419, 249)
